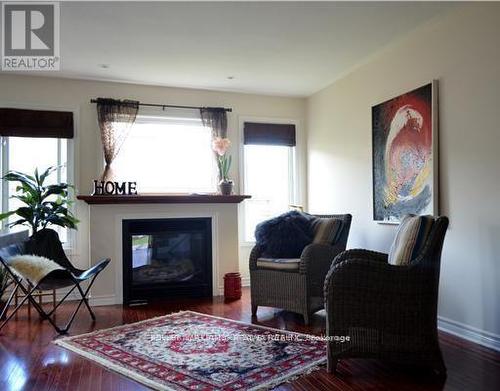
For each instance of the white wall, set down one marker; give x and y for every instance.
(31, 91)
(461, 51)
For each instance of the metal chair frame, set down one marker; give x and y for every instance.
(54, 280)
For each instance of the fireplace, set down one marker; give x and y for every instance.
(165, 258)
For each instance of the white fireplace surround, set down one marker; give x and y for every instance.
(106, 241)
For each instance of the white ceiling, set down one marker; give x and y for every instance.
(271, 48)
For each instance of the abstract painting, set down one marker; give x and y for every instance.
(404, 131)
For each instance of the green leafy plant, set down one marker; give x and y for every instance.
(220, 147)
(44, 205)
(224, 164)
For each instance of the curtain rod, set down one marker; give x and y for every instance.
(228, 109)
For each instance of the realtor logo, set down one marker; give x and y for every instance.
(30, 36)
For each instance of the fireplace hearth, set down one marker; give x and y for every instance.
(165, 258)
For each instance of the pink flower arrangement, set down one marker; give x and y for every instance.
(220, 147)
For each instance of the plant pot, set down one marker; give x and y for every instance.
(226, 187)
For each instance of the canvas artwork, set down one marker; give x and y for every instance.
(404, 131)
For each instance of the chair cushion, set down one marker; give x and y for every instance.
(284, 236)
(278, 263)
(410, 239)
(326, 230)
(32, 267)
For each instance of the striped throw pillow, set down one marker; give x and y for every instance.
(326, 230)
(410, 239)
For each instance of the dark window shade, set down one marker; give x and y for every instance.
(269, 134)
(36, 123)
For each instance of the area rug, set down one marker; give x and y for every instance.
(192, 351)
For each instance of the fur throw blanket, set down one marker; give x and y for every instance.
(285, 236)
(32, 267)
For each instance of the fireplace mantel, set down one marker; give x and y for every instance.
(163, 199)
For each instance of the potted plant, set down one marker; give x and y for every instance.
(44, 205)
(220, 147)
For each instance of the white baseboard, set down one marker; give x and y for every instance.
(469, 333)
(48, 299)
(102, 300)
(111, 299)
(94, 301)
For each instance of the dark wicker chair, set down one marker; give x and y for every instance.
(388, 312)
(300, 290)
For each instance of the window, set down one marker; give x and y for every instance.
(269, 175)
(25, 154)
(167, 155)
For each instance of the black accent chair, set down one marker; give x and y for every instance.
(46, 243)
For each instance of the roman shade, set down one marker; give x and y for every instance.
(257, 133)
(36, 123)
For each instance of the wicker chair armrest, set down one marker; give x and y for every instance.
(367, 279)
(254, 255)
(316, 258)
(358, 253)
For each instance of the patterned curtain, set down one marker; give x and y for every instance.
(216, 119)
(115, 119)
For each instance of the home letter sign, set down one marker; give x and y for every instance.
(114, 188)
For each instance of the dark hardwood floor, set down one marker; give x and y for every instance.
(29, 361)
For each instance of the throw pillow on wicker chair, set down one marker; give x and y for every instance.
(410, 239)
(284, 236)
(326, 230)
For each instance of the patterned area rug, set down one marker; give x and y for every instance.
(192, 351)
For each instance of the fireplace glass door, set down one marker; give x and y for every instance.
(167, 257)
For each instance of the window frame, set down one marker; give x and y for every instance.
(70, 246)
(174, 116)
(295, 164)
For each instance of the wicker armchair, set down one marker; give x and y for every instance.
(386, 312)
(299, 290)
